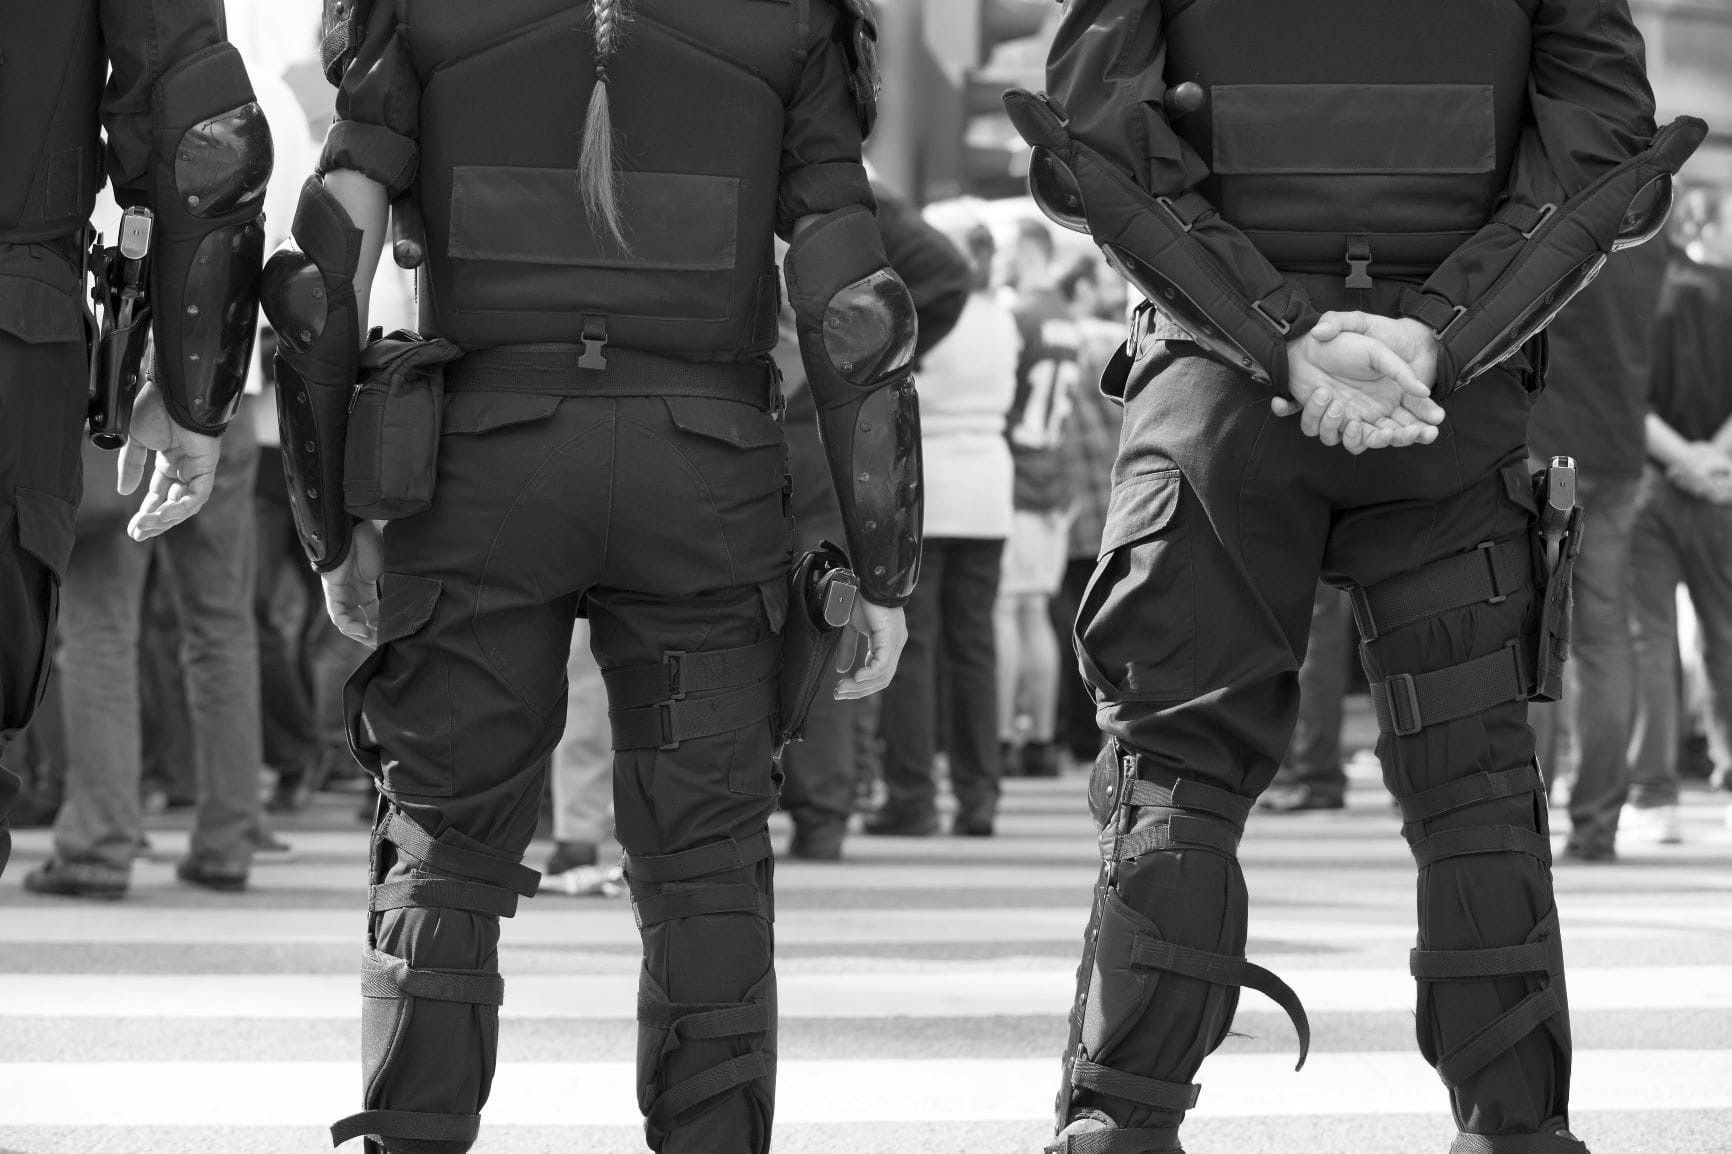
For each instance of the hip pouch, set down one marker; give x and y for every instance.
(822, 605)
(392, 452)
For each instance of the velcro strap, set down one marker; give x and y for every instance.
(679, 673)
(664, 1113)
(1488, 574)
(1472, 790)
(442, 893)
(695, 901)
(1137, 1141)
(717, 857)
(706, 1019)
(409, 1124)
(1133, 1087)
(1187, 209)
(1192, 795)
(1524, 218)
(383, 976)
(1500, 1034)
(666, 724)
(1433, 311)
(442, 854)
(1474, 965)
(1225, 970)
(1176, 832)
(1409, 702)
(1481, 839)
(1558, 1142)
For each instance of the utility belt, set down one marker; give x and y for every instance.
(594, 369)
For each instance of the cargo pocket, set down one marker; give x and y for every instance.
(1136, 626)
(470, 413)
(406, 605)
(45, 531)
(734, 423)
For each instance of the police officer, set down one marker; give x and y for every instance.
(608, 442)
(186, 140)
(1443, 177)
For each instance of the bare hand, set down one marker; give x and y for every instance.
(1704, 472)
(1352, 390)
(352, 588)
(886, 632)
(185, 466)
(1411, 340)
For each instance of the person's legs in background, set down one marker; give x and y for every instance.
(908, 716)
(1028, 655)
(1707, 562)
(582, 780)
(1656, 569)
(1311, 775)
(965, 627)
(291, 748)
(170, 776)
(1077, 729)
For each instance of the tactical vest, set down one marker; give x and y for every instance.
(1381, 144)
(696, 88)
(51, 75)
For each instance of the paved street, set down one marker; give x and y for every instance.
(922, 992)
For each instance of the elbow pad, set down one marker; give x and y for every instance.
(213, 160)
(857, 330)
(309, 298)
(1177, 251)
(1563, 249)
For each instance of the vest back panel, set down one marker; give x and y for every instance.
(1387, 122)
(51, 76)
(696, 90)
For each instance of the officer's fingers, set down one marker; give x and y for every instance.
(1311, 416)
(129, 469)
(1283, 407)
(1353, 435)
(1327, 328)
(1424, 408)
(1385, 361)
(1329, 427)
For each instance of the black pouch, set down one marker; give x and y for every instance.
(1556, 564)
(393, 443)
(824, 591)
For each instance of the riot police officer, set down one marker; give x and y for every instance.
(186, 141)
(1444, 177)
(607, 444)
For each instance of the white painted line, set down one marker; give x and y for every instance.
(947, 1090)
(961, 993)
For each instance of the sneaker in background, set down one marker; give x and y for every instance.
(1654, 824)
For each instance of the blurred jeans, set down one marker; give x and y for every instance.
(1314, 751)
(583, 760)
(1677, 539)
(212, 562)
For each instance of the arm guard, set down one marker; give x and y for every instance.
(1177, 251)
(309, 297)
(1561, 249)
(208, 183)
(857, 329)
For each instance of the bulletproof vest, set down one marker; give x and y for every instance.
(696, 91)
(1374, 131)
(51, 75)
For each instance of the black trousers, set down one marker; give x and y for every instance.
(1222, 520)
(43, 365)
(670, 517)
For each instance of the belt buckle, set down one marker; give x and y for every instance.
(665, 719)
(675, 660)
(1404, 712)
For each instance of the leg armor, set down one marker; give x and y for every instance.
(1163, 958)
(1492, 1014)
(208, 193)
(857, 329)
(309, 297)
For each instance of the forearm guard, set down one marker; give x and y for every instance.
(1560, 250)
(1178, 252)
(857, 330)
(309, 297)
(208, 184)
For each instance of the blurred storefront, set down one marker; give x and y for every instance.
(1690, 64)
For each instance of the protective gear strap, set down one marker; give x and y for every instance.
(665, 1112)
(1143, 1091)
(1176, 832)
(444, 854)
(706, 1020)
(1490, 573)
(696, 901)
(714, 858)
(1406, 703)
(1475, 965)
(408, 1124)
(1190, 795)
(1121, 1141)
(667, 723)
(1498, 1035)
(1225, 970)
(1559, 1141)
(384, 976)
(1480, 787)
(679, 673)
(1479, 840)
(441, 893)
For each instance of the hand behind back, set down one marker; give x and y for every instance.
(1363, 382)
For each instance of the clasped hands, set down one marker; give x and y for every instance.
(1363, 381)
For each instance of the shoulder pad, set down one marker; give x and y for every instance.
(858, 31)
(342, 27)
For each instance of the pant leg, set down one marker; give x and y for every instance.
(583, 760)
(908, 718)
(285, 691)
(820, 769)
(1656, 569)
(214, 558)
(967, 593)
(1602, 707)
(1708, 576)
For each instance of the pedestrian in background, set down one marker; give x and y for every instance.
(1312, 774)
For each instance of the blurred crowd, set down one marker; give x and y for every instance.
(200, 673)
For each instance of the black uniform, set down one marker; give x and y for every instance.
(184, 139)
(609, 439)
(1469, 165)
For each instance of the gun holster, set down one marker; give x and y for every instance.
(1553, 641)
(390, 456)
(824, 591)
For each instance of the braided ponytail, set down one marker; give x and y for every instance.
(595, 167)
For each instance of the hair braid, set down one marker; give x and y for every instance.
(596, 174)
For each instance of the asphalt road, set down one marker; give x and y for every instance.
(923, 988)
